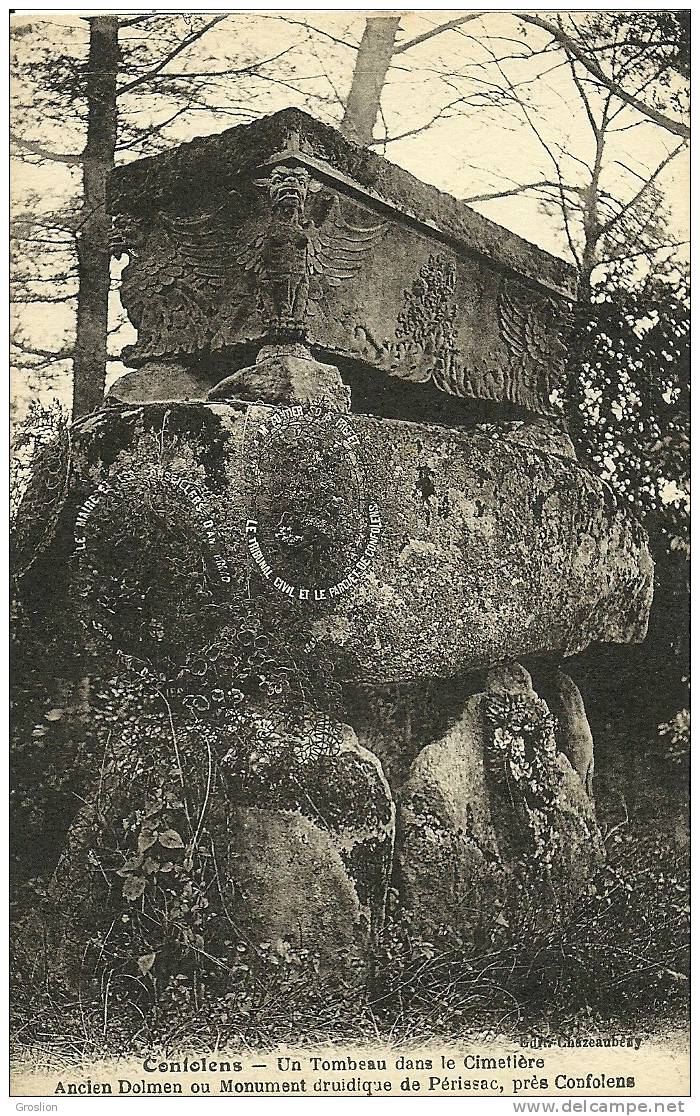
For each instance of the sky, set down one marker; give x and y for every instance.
(477, 146)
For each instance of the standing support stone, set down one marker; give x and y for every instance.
(490, 814)
(574, 736)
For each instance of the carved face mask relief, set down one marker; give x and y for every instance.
(289, 186)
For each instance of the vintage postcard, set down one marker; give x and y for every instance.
(350, 563)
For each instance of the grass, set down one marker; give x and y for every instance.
(621, 963)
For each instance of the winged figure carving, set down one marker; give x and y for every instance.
(293, 261)
(177, 272)
(534, 332)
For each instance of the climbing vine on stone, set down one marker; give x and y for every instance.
(41, 451)
(172, 763)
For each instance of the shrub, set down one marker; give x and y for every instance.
(624, 953)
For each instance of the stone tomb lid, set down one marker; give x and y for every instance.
(158, 181)
(465, 304)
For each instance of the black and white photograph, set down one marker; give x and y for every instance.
(349, 580)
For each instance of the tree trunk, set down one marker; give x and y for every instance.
(373, 61)
(93, 242)
(591, 223)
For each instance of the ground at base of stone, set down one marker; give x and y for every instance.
(80, 1045)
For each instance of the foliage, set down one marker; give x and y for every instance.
(269, 998)
(653, 45)
(159, 892)
(630, 415)
(623, 956)
(34, 442)
(622, 960)
(676, 735)
(154, 897)
(631, 397)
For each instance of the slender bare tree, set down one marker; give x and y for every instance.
(139, 78)
(369, 75)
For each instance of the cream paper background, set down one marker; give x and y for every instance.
(660, 1068)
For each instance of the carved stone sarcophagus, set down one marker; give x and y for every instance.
(281, 229)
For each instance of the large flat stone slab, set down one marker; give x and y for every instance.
(409, 551)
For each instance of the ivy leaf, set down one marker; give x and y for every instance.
(146, 839)
(145, 963)
(130, 866)
(133, 888)
(171, 839)
(150, 865)
(54, 715)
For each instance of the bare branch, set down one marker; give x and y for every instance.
(34, 351)
(647, 251)
(27, 299)
(137, 19)
(451, 25)
(643, 189)
(579, 52)
(316, 31)
(187, 42)
(584, 99)
(590, 64)
(544, 184)
(439, 115)
(32, 148)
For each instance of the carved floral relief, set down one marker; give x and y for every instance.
(522, 352)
